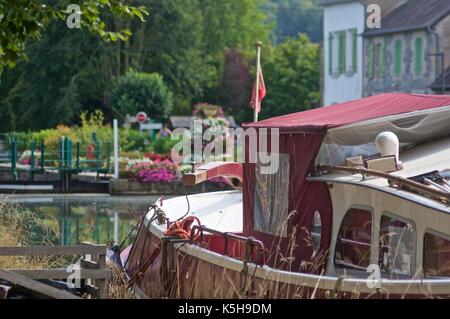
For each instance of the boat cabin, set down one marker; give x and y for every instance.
(337, 204)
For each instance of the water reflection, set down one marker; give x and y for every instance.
(95, 218)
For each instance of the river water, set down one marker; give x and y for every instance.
(96, 218)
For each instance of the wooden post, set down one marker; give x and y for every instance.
(258, 70)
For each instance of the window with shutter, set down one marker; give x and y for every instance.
(341, 52)
(355, 51)
(418, 56)
(330, 53)
(398, 58)
(383, 61)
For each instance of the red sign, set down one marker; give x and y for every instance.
(141, 117)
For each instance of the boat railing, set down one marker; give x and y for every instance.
(394, 181)
(250, 242)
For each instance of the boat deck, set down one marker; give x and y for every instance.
(217, 210)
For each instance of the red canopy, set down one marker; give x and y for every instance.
(353, 112)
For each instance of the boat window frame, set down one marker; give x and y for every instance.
(282, 232)
(341, 268)
(406, 221)
(436, 233)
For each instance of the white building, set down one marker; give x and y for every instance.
(344, 24)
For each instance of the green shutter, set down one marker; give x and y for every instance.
(383, 60)
(341, 52)
(330, 53)
(355, 51)
(372, 61)
(398, 58)
(418, 56)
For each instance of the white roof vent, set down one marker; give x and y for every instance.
(388, 145)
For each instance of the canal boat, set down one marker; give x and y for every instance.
(358, 207)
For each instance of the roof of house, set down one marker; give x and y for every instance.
(331, 2)
(185, 121)
(412, 15)
(338, 115)
(386, 5)
(437, 85)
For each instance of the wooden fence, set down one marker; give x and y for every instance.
(93, 269)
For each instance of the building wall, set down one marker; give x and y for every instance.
(385, 79)
(347, 86)
(443, 29)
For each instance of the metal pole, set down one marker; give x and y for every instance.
(116, 226)
(42, 156)
(258, 70)
(116, 148)
(32, 161)
(13, 158)
(78, 157)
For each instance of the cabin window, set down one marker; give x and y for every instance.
(316, 232)
(354, 240)
(272, 197)
(436, 259)
(397, 246)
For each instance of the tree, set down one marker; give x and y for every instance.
(295, 16)
(23, 20)
(59, 81)
(236, 84)
(145, 92)
(292, 77)
(186, 41)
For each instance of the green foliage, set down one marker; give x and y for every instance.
(136, 92)
(295, 16)
(23, 20)
(132, 140)
(291, 75)
(203, 49)
(163, 145)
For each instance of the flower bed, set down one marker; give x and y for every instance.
(151, 171)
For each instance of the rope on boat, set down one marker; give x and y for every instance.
(181, 229)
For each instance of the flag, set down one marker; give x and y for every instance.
(261, 91)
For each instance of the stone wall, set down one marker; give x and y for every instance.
(408, 81)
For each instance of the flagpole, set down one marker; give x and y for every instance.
(258, 70)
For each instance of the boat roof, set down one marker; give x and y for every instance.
(338, 115)
(418, 160)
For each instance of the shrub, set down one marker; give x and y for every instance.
(131, 141)
(137, 92)
(163, 145)
(92, 124)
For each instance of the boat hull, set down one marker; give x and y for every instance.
(196, 272)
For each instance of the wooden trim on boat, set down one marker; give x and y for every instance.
(208, 171)
(394, 181)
